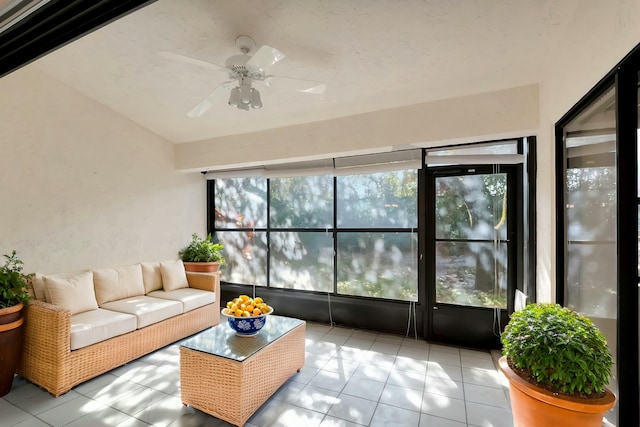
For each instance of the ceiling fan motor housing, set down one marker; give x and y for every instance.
(236, 65)
(246, 44)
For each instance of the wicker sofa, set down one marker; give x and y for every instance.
(74, 333)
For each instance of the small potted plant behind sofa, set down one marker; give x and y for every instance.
(558, 364)
(202, 255)
(13, 296)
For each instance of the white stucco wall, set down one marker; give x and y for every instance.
(597, 38)
(82, 187)
(478, 117)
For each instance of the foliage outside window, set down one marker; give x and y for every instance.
(471, 248)
(241, 203)
(301, 202)
(246, 253)
(381, 265)
(381, 200)
(372, 252)
(591, 230)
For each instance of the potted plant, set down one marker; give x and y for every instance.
(558, 364)
(202, 255)
(13, 296)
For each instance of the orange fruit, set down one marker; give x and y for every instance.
(244, 305)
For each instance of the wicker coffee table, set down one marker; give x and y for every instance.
(230, 377)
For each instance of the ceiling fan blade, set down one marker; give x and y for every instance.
(263, 59)
(189, 60)
(210, 99)
(289, 83)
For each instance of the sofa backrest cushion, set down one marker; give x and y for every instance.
(152, 276)
(173, 275)
(114, 284)
(72, 291)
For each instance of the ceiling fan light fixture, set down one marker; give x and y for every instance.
(245, 98)
(234, 98)
(256, 101)
(245, 93)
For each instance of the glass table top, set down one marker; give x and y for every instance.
(222, 341)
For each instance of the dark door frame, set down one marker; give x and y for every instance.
(625, 78)
(468, 319)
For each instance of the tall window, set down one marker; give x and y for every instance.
(351, 235)
(589, 274)
(301, 247)
(240, 220)
(377, 235)
(590, 211)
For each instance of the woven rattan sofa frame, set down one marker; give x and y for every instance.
(49, 362)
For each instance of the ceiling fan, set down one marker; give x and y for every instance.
(250, 67)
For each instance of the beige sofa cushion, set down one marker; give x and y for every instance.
(98, 325)
(152, 276)
(74, 291)
(148, 310)
(39, 288)
(173, 275)
(189, 297)
(113, 284)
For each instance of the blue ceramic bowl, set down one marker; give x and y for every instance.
(246, 326)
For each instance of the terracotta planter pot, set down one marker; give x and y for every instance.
(201, 267)
(10, 345)
(10, 314)
(533, 406)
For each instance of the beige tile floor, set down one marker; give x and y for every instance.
(350, 378)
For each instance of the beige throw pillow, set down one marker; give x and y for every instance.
(173, 275)
(152, 276)
(114, 284)
(39, 288)
(74, 292)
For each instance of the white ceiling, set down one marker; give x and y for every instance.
(372, 54)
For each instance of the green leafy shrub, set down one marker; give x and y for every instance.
(557, 349)
(13, 285)
(203, 250)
